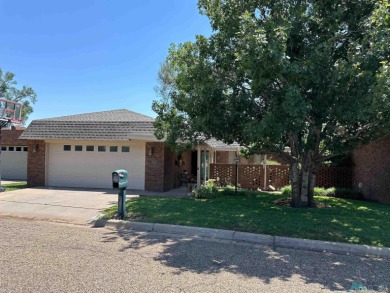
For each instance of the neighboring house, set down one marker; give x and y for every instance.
(371, 172)
(13, 154)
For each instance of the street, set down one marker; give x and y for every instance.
(51, 257)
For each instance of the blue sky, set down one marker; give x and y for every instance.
(86, 56)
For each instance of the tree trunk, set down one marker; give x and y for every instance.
(294, 175)
(303, 182)
(312, 182)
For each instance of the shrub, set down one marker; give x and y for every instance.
(286, 190)
(331, 192)
(319, 191)
(344, 193)
(207, 190)
(231, 190)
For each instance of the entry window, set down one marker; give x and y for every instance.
(125, 149)
(78, 148)
(18, 149)
(11, 149)
(101, 148)
(113, 149)
(3, 148)
(25, 149)
(90, 148)
(67, 147)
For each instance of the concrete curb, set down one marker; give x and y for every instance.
(260, 239)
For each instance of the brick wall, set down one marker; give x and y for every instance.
(154, 166)
(36, 163)
(171, 169)
(252, 176)
(10, 137)
(372, 170)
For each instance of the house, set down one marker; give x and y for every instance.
(13, 154)
(371, 172)
(82, 151)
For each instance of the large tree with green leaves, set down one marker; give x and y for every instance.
(311, 75)
(9, 91)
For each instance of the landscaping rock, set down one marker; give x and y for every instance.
(271, 188)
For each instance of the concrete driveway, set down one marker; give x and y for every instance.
(75, 206)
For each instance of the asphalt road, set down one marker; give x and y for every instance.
(51, 257)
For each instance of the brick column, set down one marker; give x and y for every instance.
(154, 166)
(36, 163)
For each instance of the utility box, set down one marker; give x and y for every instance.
(120, 179)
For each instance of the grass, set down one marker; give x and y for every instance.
(15, 186)
(351, 221)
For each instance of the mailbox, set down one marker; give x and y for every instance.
(120, 179)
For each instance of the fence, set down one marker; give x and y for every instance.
(256, 176)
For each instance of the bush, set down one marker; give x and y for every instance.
(344, 193)
(207, 190)
(230, 190)
(331, 192)
(286, 190)
(318, 191)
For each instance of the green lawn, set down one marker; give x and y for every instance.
(350, 221)
(15, 186)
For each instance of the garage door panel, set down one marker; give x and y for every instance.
(14, 165)
(94, 169)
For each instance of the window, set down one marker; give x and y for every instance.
(125, 149)
(3, 148)
(78, 148)
(18, 149)
(113, 149)
(90, 148)
(101, 148)
(11, 149)
(25, 149)
(67, 147)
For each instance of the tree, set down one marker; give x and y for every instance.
(9, 91)
(311, 75)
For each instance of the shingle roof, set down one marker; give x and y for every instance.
(107, 125)
(121, 115)
(217, 144)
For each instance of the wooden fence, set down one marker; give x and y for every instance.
(255, 176)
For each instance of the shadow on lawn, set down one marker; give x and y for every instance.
(331, 271)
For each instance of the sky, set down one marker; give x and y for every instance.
(87, 56)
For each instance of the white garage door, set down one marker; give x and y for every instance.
(90, 164)
(14, 162)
